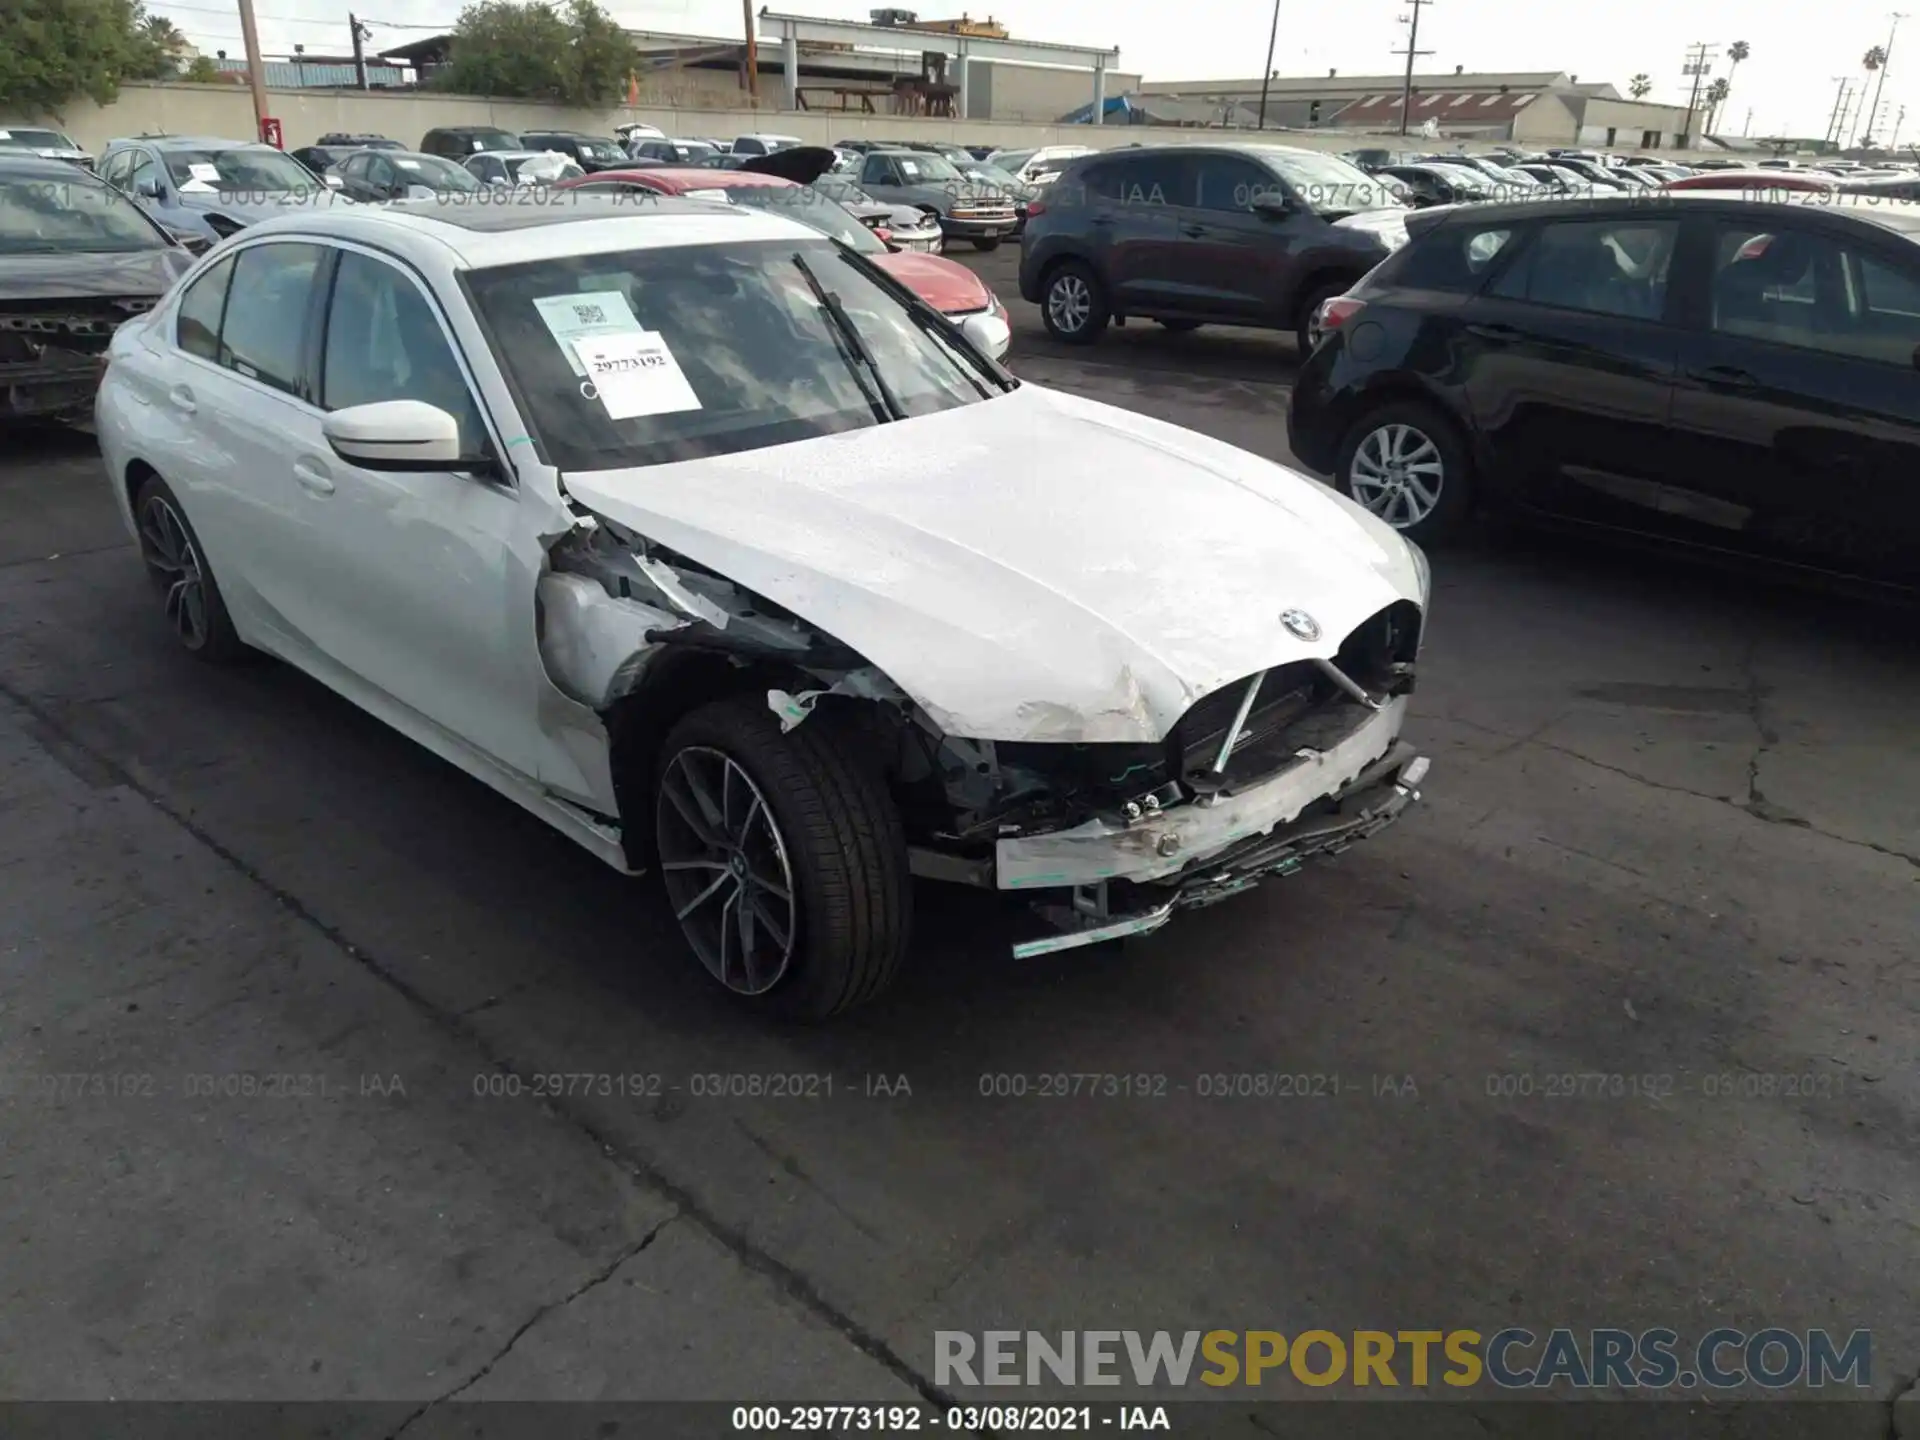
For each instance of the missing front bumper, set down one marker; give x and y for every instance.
(1373, 800)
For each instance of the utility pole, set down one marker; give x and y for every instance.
(1699, 65)
(360, 36)
(1839, 108)
(1747, 128)
(256, 68)
(1413, 43)
(1885, 60)
(753, 57)
(1267, 74)
(1898, 120)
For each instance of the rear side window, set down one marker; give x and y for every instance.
(197, 325)
(1455, 258)
(1600, 267)
(1140, 180)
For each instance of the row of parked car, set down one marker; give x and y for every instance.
(1735, 369)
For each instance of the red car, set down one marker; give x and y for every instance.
(945, 284)
(1753, 180)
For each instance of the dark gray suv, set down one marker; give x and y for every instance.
(1203, 234)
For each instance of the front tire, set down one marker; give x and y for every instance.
(178, 567)
(1074, 304)
(987, 242)
(1406, 464)
(784, 859)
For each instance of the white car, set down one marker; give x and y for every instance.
(686, 530)
(763, 144)
(1037, 167)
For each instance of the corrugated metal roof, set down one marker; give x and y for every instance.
(292, 75)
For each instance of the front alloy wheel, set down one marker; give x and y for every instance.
(1398, 473)
(726, 869)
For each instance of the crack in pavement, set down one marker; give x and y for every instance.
(787, 1280)
(1754, 804)
(593, 1281)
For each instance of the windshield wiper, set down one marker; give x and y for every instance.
(853, 348)
(929, 319)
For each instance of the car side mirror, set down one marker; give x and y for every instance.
(1272, 205)
(332, 182)
(149, 188)
(988, 334)
(407, 435)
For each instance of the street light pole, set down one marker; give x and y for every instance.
(1413, 49)
(1273, 34)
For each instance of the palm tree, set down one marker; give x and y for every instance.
(1639, 85)
(1716, 98)
(1736, 52)
(161, 32)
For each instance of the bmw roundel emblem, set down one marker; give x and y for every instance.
(1300, 625)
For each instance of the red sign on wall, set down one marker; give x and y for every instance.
(271, 133)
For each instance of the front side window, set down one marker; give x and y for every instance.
(1228, 182)
(197, 325)
(877, 171)
(1601, 267)
(1810, 291)
(384, 342)
(712, 349)
(82, 215)
(265, 330)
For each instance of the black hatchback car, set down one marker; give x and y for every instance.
(1196, 234)
(1732, 374)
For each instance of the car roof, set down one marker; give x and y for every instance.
(445, 232)
(677, 178)
(1897, 215)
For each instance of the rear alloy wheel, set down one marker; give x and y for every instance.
(1074, 305)
(178, 568)
(1405, 465)
(783, 859)
(1305, 333)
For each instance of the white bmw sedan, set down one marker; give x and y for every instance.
(693, 533)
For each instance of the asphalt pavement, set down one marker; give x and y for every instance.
(291, 1015)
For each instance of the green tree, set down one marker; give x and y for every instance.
(1736, 52)
(579, 56)
(55, 51)
(202, 71)
(1716, 98)
(1638, 86)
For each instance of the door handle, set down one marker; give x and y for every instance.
(1103, 220)
(181, 398)
(1194, 230)
(1493, 332)
(1731, 376)
(313, 476)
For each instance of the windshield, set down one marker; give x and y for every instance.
(990, 175)
(712, 350)
(918, 167)
(809, 207)
(36, 139)
(257, 167)
(1331, 186)
(544, 169)
(599, 149)
(1013, 159)
(47, 216)
(491, 140)
(435, 173)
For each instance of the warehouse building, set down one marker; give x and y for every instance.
(1524, 108)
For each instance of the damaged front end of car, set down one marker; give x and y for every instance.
(1100, 840)
(53, 352)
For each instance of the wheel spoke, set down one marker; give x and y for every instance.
(776, 925)
(1427, 495)
(705, 895)
(726, 932)
(742, 904)
(678, 791)
(746, 825)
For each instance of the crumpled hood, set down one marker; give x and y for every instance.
(1033, 567)
(76, 274)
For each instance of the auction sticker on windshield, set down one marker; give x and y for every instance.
(635, 375)
(200, 170)
(572, 318)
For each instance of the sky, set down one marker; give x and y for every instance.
(1799, 52)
